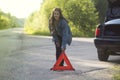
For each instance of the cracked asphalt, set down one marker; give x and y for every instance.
(26, 57)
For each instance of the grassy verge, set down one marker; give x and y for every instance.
(116, 76)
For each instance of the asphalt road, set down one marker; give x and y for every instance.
(25, 57)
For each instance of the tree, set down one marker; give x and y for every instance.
(101, 6)
(81, 14)
(7, 21)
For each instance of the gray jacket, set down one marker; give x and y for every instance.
(64, 31)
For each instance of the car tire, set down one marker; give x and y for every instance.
(103, 54)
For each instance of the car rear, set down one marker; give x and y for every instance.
(107, 39)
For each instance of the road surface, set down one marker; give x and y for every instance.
(26, 57)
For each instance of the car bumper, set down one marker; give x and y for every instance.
(111, 44)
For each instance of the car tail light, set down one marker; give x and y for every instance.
(97, 32)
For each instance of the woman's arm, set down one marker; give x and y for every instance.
(64, 34)
(52, 31)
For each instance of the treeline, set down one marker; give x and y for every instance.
(101, 6)
(83, 16)
(8, 21)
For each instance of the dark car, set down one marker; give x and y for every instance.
(107, 39)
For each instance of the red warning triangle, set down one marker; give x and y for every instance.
(60, 59)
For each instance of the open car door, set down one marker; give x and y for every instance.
(113, 11)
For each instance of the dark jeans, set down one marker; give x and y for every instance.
(58, 50)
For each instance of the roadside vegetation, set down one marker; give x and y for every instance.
(83, 16)
(117, 73)
(7, 21)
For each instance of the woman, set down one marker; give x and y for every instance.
(60, 31)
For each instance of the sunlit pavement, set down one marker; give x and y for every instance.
(26, 57)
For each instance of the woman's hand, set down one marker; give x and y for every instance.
(63, 50)
(57, 44)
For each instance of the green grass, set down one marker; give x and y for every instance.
(44, 33)
(116, 76)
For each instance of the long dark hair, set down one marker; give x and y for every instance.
(61, 15)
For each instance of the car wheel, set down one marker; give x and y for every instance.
(103, 54)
